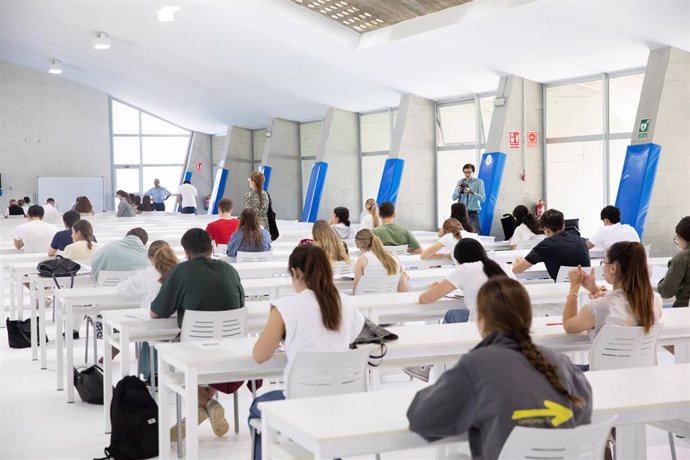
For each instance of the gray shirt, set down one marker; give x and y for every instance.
(124, 209)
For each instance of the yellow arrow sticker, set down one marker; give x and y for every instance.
(560, 414)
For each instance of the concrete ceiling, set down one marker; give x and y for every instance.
(241, 62)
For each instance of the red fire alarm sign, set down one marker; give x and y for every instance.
(514, 139)
(198, 167)
(532, 139)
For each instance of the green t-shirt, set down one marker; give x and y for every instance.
(395, 235)
(199, 284)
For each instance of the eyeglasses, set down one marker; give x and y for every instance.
(675, 240)
(602, 262)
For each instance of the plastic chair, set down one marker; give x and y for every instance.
(584, 441)
(253, 257)
(341, 268)
(562, 276)
(377, 284)
(619, 347)
(397, 250)
(508, 224)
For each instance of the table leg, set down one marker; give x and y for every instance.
(191, 401)
(2, 292)
(107, 373)
(35, 333)
(42, 325)
(13, 294)
(164, 375)
(19, 285)
(69, 350)
(124, 352)
(631, 442)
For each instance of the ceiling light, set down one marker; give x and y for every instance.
(55, 68)
(101, 42)
(167, 13)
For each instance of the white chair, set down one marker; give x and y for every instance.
(584, 441)
(243, 257)
(397, 250)
(619, 347)
(377, 284)
(562, 276)
(341, 268)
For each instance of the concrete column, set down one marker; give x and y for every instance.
(339, 147)
(200, 153)
(282, 153)
(665, 101)
(235, 154)
(414, 141)
(513, 112)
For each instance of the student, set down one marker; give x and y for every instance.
(316, 318)
(612, 231)
(632, 301)
(13, 209)
(326, 239)
(146, 205)
(83, 247)
(249, 237)
(84, 206)
(504, 374)
(124, 208)
(34, 235)
(340, 223)
(126, 254)
(50, 213)
(186, 196)
(370, 216)
(376, 261)
(136, 204)
(63, 238)
(676, 282)
(222, 229)
(559, 247)
(392, 234)
(458, 211)
(257, 198)
(449, 235)
(527, 227)
(200, 283)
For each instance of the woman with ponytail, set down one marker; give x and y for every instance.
(504, 375)
(316, 318)
(376, 261)
(83, 245)
(449, 235)
(370, 216)
(340, 223)
(632, 301)
(326, 239)
(526, 226)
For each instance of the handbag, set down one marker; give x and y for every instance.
(372, 333)
(89, 384)
(19, 333)
(271, 215)
(57, 268)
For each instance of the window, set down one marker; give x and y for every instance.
(575, 110)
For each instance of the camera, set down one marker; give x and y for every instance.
(463, 187)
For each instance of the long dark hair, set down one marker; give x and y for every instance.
(522, 216)
(503, 305)
(258, 178)
(84, 206)
(86, 230)
(343, 215)
(249, 224)
(313, 262)
(459, 211)
(469, 250)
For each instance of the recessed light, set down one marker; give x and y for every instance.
(367, 15)
(101, 42)
(55, 68)
(167, 13)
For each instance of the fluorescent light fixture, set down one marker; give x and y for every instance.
(101, 42)
(167, 13)
(55, 68)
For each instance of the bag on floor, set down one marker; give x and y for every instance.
(19, 333)
(89, 384)
(134, 421)
(57, 268)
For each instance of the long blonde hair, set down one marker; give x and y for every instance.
(373, 210)
(365, 240)
(325, 238)
(163, 258)
(453, 226)
(258, 178)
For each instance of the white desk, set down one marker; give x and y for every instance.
(343, 430)
(5, 261)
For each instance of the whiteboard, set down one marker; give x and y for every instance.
(65, 189)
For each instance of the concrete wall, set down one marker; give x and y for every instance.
(200, 152)
(414, 141)
(665, 99)
(50, 127)
(238, 159)
(282, 153)
(509, 117)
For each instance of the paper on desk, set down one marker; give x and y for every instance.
(456, 295)
(658, 272)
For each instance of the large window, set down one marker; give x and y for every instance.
(146, 148)
(375, 130)
(589, 124)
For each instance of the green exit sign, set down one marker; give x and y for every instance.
(643, 130)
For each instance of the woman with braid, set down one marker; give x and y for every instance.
(502, 381)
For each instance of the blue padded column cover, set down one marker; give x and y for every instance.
(218, 190)
(266, 171)
(390, 180)
(312, 199)
(491, 172)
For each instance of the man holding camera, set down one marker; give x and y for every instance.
(470, 192)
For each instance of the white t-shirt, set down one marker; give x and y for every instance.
(50, 214)
(188, 196)
(304, 329)
(375, 267)
(614, 309)
(36, 235)
(449, 241)
(466, 234)
(80, 251)
(144, 285)
(608, 235)
(470, 277)
(367, 222)
(522, 233)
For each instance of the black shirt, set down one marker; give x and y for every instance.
(563, 248)
(15, 210)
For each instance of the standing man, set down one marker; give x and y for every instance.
(158, 195)
(186, 196)
(470, 191)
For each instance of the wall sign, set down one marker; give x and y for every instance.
(514, 139)
(198, 167)
(532, 139)
(643, 130)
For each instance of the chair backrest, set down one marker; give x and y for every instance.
(341, 268)
(113, 278)
(397, 250)
(562, 276)
(582, 442)
(618, 347)
(213, 325)
(253, 256)
(508, 224)
(328, 373)
(378, 284)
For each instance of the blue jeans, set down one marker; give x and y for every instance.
(474, 219)
(158, 206)
(459, 315)
(254, 412)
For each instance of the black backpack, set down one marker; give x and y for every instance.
(272, 226)
(134, 419)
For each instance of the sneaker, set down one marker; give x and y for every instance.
(418, 372)
(216, 414)
(201, 416)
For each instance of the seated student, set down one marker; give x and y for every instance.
(83, 247)
(392, 234)
(376, 261)
(449, 235)
(316, 318)
(676, 282)
(527, 226)
(200, 283)
(126, 254)
(222, 229)
(124, 208)
(505, 373)
(458, 211)
(612, 231)
(340, 223)
(559, 247)
(34, 235)
(63, 238)
(50, 213)
(26, 204)
(146, 204)
(249, 237)
(84, 206)
(13, 209)
(74, 205)
(370, 216)
(326, 239)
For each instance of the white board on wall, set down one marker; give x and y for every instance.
(65, 189)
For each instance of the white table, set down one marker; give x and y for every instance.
(5, 261)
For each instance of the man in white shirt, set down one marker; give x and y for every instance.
(51, 214)
(35, 235)
(612, 231)
(187, 198)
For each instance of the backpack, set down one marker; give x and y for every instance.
(134, 419)
(272, 226)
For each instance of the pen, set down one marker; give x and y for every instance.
(554, 324)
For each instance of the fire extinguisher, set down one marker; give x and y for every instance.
(539, 208)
